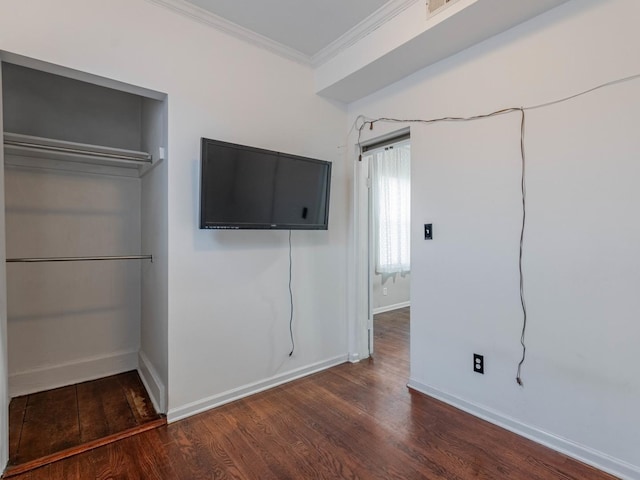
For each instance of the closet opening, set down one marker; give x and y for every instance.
(85, 227)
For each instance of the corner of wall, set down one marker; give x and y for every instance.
(155, 387)
(77, 371)
(4, 373)
(595, 458)
(205, 404)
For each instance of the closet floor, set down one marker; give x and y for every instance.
(47, 426)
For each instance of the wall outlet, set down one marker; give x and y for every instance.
(384, 290)
(478, 363)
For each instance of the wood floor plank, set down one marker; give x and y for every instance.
(78, 449)
(103, 409)
(354, 421)
(177, 447)
(60, 423)
(151, 455)
(308, 455)
(347, 434)
(358, 429)
(67, 470)
(137, 397)
(96, 465)
(118, 463)
(241, 444)
(193, 454)
(43, 432)
(397, 415)
(17, 411)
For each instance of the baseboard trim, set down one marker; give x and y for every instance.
(208, 403)
(152, 382)
(83, 370)
(389, 308)
(595, 458)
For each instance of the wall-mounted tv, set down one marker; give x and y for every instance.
(244, 187)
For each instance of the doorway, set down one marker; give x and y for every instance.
(384, 197)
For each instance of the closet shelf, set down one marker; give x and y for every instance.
(79, 259)
(32, 147)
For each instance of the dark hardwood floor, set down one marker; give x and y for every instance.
(354, 421)
(54, 424)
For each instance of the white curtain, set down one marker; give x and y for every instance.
(391, 184)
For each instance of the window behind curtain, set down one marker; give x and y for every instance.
(391, 183)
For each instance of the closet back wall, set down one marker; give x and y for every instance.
(85, 314)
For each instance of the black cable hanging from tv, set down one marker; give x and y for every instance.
(523, 191)
(293, 345)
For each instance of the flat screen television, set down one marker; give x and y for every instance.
(244, 187)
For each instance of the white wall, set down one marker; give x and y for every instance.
(85, 314)
(581, 260)
(397, 290)
(4, 370)
(153, 361)
(227, 296)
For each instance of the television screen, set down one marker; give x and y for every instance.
(251, 188)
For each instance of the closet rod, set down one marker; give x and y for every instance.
(78, 259)
(95, 153)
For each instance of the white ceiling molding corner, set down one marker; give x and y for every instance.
(383, 57)
(203, 16)
(364, 28)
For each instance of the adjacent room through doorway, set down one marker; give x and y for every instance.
(389, 211)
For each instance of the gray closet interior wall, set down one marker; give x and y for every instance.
(46, 105)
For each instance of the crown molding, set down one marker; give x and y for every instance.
(205, 17)
(351, 37)
(361, 30)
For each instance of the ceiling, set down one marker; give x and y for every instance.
(391, 39)
(307, 26)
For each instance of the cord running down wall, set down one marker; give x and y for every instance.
(371, 122)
